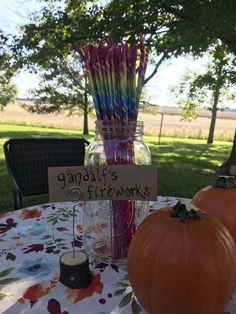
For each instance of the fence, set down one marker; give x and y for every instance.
(166, 123)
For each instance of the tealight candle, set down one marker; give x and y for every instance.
(74, 270)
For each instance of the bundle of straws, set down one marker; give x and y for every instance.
(116, 82)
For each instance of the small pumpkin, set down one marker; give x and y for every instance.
(220, 201)
(182, 262)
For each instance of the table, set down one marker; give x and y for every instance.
(31, 241)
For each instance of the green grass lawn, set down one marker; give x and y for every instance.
(184, 165)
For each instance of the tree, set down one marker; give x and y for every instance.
(7, 70)
(208, 90)
(171, 27)
(225, 169)
(47, 44)
(63, 88)
(177, 26)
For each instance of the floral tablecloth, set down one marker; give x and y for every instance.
(31, 242)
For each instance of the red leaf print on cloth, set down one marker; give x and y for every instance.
(96, 286)
(7, 226)
(5, 214)
(33, 293)
(16, 238)
(62, 229)
(54, 307)
(78, 242)
(30, 213)
(79, 228)
(33, 248)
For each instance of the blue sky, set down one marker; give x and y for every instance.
(15, 12)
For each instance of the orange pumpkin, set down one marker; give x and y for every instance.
(182, 266)
(220, 201)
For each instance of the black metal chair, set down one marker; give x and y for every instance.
(28, 161)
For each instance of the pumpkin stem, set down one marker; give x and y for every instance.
(180, 210)
(225, 182)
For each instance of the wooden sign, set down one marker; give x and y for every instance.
(123, 182)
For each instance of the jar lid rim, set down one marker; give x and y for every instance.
(118, 122)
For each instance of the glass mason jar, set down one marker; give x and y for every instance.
(108, 225)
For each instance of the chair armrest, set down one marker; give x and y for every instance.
(17, 194)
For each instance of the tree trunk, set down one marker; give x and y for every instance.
(86, 130)
(213, 115)
(231, 161)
